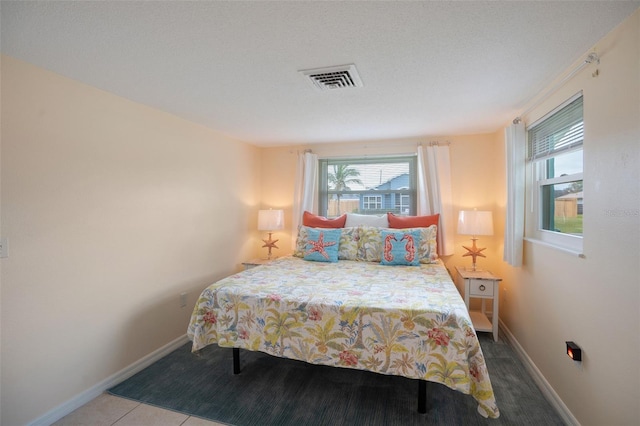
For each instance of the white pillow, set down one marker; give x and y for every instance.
(354, 219)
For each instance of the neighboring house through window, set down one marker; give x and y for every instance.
(403, 204)
(371, 202)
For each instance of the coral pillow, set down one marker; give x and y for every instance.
(315, 221)
(403, 222)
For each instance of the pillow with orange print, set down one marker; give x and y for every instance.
(400, 247)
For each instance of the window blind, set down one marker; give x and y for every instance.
(369, 173)
(562, 131)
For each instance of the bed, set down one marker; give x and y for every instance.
(389, 319)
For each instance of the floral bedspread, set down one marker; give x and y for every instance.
(401, 320)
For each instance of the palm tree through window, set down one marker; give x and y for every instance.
(342, 176)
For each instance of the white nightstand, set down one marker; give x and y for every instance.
(255, 262)
(480, 285)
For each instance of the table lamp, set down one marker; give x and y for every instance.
(270, 220)
(474, 223)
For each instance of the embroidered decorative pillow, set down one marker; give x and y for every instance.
(322, 245)
(347, 249)
(400, 247)
(315, 221)
(370, 246)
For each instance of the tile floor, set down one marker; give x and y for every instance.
(109, 410)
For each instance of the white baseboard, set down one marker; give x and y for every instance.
(542, 383)
(95, 391)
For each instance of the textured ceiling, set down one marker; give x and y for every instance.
(428, 68)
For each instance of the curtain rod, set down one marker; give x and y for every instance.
(430, 143)
(591, 58)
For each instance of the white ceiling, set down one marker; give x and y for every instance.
(428, 68)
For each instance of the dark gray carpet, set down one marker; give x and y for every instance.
(274, 391)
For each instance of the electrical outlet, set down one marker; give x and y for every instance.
(183, 300)
(4, 248)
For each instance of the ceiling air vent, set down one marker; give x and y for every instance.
(332, 78)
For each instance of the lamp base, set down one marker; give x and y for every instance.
(474, 252)
(270, 244)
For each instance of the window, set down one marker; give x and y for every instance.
(367, 186)
(403, 203)
(370, 202)
(555, 162)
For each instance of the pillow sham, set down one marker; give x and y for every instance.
(428, 248)
(315, 221)
(401, 222)
(322, 245)
(400, 247)
(370, 244)
(349, 238)
(301, 241)
(354, 219)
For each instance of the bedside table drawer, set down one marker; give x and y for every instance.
(482, 288)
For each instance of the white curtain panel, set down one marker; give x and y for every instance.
(424, 203)
(305, 195)
(515, 145)
(434, 191)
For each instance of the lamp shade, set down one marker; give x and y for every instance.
(474, 222)
(270, 220)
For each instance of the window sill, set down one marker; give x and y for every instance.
(554, 246)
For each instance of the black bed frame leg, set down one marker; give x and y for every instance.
(236, 361)
(422, 396)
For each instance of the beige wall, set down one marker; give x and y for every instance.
(594, 301)
(112, 209)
